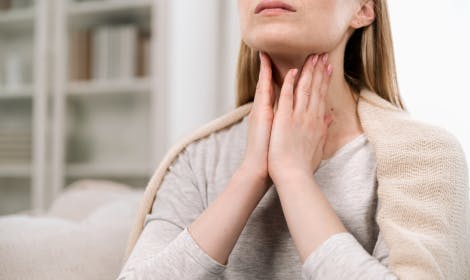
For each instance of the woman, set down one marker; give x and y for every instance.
(317, 95)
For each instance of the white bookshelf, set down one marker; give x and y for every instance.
(97, 12)
(110, 129)
(15, 170)
(26, 178)
(18, 20)
(138, 85)
(25, 91)
(140, 122)
(103, 129)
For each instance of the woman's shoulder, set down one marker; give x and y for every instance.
(385, 123)
(220, 138)
(410, 145)
(431, 144)
(225, 131)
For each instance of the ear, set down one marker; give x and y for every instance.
(365, 15)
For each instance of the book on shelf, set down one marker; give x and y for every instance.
(109, 52)
(4, 5)
(126, 36)
(100, 49)
(114, 52)
(79, 55)
(143, 54)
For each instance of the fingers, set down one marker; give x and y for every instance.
(311, 91)
(286, 97)
(263, 95)
(304, 84)
(317, 82)
(324, 90)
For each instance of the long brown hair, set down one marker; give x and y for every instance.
(369, 62)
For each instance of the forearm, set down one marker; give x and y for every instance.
(326, 248)
(154, 258)
(309, 215)
(343, 257)
(218, 228)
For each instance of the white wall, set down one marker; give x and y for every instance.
(192, 64)
(202, 51)
(432, 45)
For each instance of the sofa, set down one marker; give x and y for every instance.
(82, 235)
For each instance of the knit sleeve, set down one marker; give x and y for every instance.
(165, 248)
(424, 213)
(342, 257)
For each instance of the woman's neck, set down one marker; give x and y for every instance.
(341, 101)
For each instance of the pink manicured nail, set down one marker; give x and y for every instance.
(328, 119)
(329, 69)
(314, 59)
(325, 58)
(294, 72)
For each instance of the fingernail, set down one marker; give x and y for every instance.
(329, 69)
(315, 59)
(294, 72)
(259, 53)
(328, 119)
(325, 58)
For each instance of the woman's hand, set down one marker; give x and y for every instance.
(300, 126)
(260, 121)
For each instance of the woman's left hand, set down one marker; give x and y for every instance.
(299, 127)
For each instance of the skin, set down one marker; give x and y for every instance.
(295, 122)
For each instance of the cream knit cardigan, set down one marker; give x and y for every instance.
(423, 199)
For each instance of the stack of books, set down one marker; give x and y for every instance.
(109, 52)
(15, 146)
(15, 133)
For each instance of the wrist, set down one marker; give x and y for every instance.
(253, 174)
(292, 177)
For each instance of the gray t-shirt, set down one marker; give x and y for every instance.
(265, 249)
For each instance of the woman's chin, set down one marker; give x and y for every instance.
(291, 42)
(279, 44)
(283, 49)
(275, 46)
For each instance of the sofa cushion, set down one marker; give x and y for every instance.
(82, 236)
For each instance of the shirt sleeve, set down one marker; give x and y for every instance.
(341, 256)
(165, 249)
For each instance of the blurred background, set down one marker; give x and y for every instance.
(100, 89)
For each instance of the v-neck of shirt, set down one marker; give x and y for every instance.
(343, 149)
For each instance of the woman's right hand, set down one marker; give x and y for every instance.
(260, 120)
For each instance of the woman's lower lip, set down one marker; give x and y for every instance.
(274, 11)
